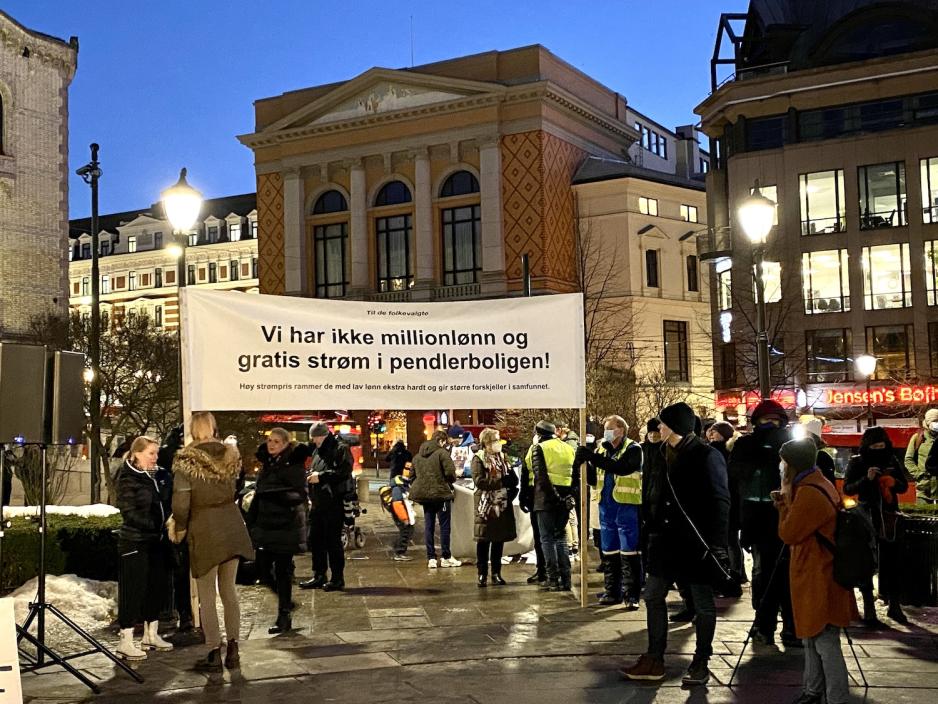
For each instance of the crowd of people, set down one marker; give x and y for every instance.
(674, 511)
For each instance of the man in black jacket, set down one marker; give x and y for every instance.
(753, 465)
(686, 515)
(330, 482)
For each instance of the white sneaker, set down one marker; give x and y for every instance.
(126, 650)
(151, 638)
(450, 562)
(432, 564)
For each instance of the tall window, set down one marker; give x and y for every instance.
(887, 279)
(929, 169)
(882, 195)
(132, 281)
(724, 272)
(253, 267)
(651, 268)
(892, 346)
(105, 283)
(330, 241)
(212, 273)
(771, 281)
(689, 213)
(233, 270)
(158, 278)
(460, 183)
(728, 364)
(211, 233)
(158, 316)
(190, 275)
(931, 272)
(675, 351)
(193, 239)
(825, 281)
(132, 244)
(253, 224)
(462, 245)
(647, 206)
(330, 245)
(234, 231)
(85, 284)
(393, 234)
(157, 240)
(822, 202)
(105, 248)
(693, 283)
(86, 251)
(829, 355)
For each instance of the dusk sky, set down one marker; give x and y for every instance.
(167, 84)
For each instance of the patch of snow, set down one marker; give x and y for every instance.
(88, 602)
(92, 510)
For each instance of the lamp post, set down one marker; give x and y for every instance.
(181, 204)
(756, 214)
(866, 366)
(90, 173)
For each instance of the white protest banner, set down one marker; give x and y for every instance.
(253, 352)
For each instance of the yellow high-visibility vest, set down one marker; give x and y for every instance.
(558, 456)
(628, 488)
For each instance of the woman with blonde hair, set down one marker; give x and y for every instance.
(205, 514)
(496, 486)
(143, 496)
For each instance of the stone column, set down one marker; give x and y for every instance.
(494, 282)
(358, 231)
(294, 237)
(423, 224)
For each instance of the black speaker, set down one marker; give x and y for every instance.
(22, 393)
(67, 398)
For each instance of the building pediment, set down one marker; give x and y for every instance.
(377, 92)
(141, 221)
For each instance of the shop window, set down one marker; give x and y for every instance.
(693, 274)
(828, 358)
(651, 268)
(675, 351)
(882, 195)
(462, 245)
(393, 236)
(647, 206)
(330, 243)
(825, 281)
(822, 202)
(724, 274)
(929, 169)
(689, 213)
(887, 277)
(892, 345)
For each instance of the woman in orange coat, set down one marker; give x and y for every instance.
(807, 504)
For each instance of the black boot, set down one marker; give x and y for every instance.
(211, 663)
(631, 580)
(334, 585)
(497, 579)
(317, 582)
(537, 578)
(483, 581)
(284, 623)
(870, 619)
(612, 580)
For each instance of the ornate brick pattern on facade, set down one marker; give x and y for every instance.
(270, 254)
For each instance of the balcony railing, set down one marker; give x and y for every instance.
(460, 291)
(715, 244)
(391, 296)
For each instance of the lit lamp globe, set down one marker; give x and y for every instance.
(756, 215)
(866, 365)
(182, 204)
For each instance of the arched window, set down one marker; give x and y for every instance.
(330, 202)
(393, 193)
(459, 183)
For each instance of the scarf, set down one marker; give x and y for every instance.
(493, 502)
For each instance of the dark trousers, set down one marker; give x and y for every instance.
(325, 541)
(275, 569)
(142, 582)
(404, 534)
(538, 548)
(768, 598)
(656, 592)
(485, 549)
(737, 560)
(434, 511)
(182, 593)
(553, 529)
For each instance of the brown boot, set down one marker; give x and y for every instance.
(232, 656)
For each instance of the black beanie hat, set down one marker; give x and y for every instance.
(801, 455)
(679, 417)
(768, 407)
(653, 425)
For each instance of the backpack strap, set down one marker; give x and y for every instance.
(821, 538)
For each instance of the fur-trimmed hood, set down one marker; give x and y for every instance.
(209, 461)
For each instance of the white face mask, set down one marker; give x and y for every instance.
(535, 439)
(781, 471)
(933, 427)
(496, 447)
(609, 436)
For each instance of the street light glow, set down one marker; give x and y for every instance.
(174, 250)
(756, 214)
(866, 365)
(182, 204)
(88, 375)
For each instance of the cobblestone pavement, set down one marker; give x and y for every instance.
(404, 633)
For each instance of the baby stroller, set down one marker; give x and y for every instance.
(352, 536)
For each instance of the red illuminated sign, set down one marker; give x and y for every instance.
(882, 395)
(732, 399)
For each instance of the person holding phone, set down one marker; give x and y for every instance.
(875, 477)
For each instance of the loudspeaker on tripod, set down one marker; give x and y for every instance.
(66, 398)
(22, 393)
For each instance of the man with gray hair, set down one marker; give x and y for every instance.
(330, 479)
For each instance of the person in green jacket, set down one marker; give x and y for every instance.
(916, 454)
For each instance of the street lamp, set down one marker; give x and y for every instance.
(756, 214)
(90, 173)
(866, 366)
(181, 204)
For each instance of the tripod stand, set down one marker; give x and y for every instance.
(45, 656)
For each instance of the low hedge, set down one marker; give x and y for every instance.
(86, 547)
(919, 509)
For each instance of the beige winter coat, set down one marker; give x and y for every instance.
(204, 487)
